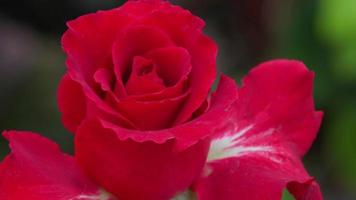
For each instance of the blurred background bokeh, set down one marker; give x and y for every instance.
(322, 33)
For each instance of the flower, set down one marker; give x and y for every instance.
(136, 97)
(257, 152)
(133, 67)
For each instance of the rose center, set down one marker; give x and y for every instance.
(144, 78)
(145, 70)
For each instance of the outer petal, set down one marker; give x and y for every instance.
(88, 45)
(76, 101)
(203, 53)
(141, 8)
(89, 39)
(282, 89)
(37, 170)
(151, 164)
(154, 115)
(256, 153)
(133, 170)
(71, 102)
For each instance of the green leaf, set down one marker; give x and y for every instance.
(287, 196)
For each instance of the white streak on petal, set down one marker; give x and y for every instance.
(234, 145)
(101, 195)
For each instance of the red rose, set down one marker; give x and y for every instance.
(145, 65)
(139, 76)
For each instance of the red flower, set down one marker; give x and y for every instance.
(135, 68)
(257, 152)
(137, 82)
(135, 95)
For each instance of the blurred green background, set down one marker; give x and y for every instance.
(322, 33)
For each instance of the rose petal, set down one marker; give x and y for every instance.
(105, 78)
(202, 76)
(71, 102)
(135, 170)
(256, 153)
(185, 23)
(136, 40)
(160, 163)
(89, 39)
(154, 115)
(76, 101)
(173, 63)
(36, 169)
(141, 8)
(167, 93)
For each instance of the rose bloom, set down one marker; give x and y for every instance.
(136, 96)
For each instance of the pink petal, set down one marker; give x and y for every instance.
(257, 152)
(37, 170)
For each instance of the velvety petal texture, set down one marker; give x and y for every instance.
(257, 152)
(155, 165)
(37, 170)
